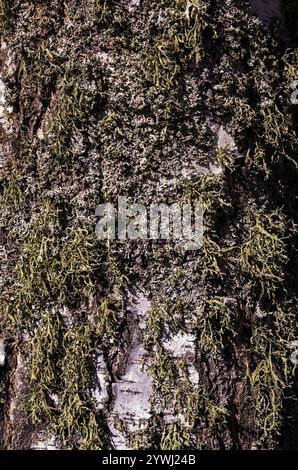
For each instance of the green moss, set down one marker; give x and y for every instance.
(225, 159)
(109, 14)
(38, 69)
(191, 16)
(290, 60)
(210, 192)
(264, 253)
(108, 319)
(217, 416)
(175, 437)
(37, 272)
(271, 376)
(38, 265)
(80, 262)
(77, 424)
(173, 386)
(51, 271)
(77, 103)
(60, 367)
(8, 11)
(215, 324)
(165, 318)
(146, 438)
(103, 11)
(13, 195)
(212, 253)
(44, 369)
(160, 66)
(164, 372)
(267, 393)
(268, 383)
(180, 43)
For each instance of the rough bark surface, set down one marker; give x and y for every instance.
(143, 344)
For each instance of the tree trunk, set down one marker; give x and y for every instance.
(144, 343)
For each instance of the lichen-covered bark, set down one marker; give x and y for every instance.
(142, 344)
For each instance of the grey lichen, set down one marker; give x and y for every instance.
(183, 101)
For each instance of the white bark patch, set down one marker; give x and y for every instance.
(141, 307)
(100, 394)
(216, 169)
(132, 393)
(224, 141)
(131, 4)
(4, 109)
(45, 443)
(2, 352)
(181, 344)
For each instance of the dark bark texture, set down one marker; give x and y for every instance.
(143, 344)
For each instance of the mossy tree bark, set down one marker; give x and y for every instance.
(141, 344)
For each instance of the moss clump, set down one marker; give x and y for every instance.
(103, 11)
(173, 386)
(175, 392)
(213, 416)
(160, 66)
(81, 95)
(178, 42)
(44, 368)
(13, 196)
(213, 253)
(164, 371)
(38, 266)
(270, 371)
(109, 15)
(264, 253)
(267, 389)
(36, 273)
(60, 379)
(192, 19)
(80, 262)
(211, 193)
(175, 437)
(108, 320)
(55, 273)
(225, 159)
(216, 324)
(165, 319)
(77, 423)
(8, 12)
(146, 438)
(52, 271)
